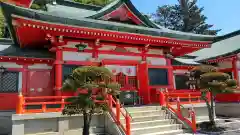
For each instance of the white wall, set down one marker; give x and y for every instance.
(157, 61)
(225, 64)
(10, 65)
(119, 57)
(76, 56)
(39, 66)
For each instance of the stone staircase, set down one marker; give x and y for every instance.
(152, 120)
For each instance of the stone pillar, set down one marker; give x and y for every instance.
(17, 127)
(63, 125)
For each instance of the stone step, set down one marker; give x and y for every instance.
(172, 132)
(140, 108)
(152, 123)
(146, 113)
(154, 129)
(147, 118)
(92, 130)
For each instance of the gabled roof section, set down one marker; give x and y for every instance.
(71, 3)
(10, 10)
(7, 48)
(124, 11)
(223, 46)
(183, 61)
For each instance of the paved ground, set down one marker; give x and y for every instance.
(232, 126)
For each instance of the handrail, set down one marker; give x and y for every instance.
(24, 101)
(122, 105)
(164, 100)
(178, 112)
(116, 115)
(189, 96)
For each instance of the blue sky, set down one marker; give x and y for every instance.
(223, 14)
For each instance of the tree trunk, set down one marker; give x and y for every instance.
(86, 124)
(209, 108)
(212, 120)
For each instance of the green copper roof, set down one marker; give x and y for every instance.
(9, 10)
(224, 46)
(116, 4)
(184, 61)
(7, 48)
(77, 13)
(72, 3)
(66, 11)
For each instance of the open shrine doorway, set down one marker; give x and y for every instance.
(126, 76)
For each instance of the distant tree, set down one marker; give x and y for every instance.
(94, 84)
(4, 33)
(208, 79)
(185, 16)
(95, 2)
(40, 4)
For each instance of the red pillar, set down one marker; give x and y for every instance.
(58, 72)
(235, 70)
(24, 79)
(170, 74)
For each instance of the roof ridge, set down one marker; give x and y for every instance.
(228, 35)
(72, 3)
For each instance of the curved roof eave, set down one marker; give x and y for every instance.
(10, 10)
(117, 3)
(223, 46)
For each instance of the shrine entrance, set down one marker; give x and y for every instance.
(126, 76)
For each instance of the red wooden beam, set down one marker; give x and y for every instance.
(23, 60)
(92, 33)
(22, 3)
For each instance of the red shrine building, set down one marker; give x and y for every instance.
(45, 47)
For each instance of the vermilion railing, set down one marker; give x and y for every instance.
(178, 112)
(116, 114)
(191, 98)
(174, 98)
(42, 101)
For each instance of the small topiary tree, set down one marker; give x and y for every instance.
(93, 85)
(208, 79)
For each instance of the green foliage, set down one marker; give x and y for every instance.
(40, 4)
(95, 2)
(208, 79)
(1, 24)
(89, 79)
(4, 33)
(185, 16)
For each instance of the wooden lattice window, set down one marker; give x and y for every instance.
(132, 81)
(125, 81)
(9, 82)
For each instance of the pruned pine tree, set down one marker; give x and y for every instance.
(209, 79)
(93, 85)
